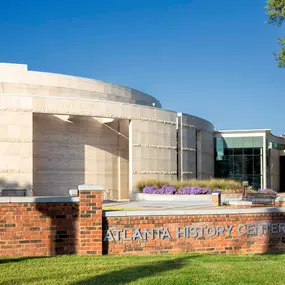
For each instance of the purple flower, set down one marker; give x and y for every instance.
(163, 190)
(193, 191)
(149, 190)
(169, 190)
(267, 191)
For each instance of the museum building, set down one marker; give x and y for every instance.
(59, 131)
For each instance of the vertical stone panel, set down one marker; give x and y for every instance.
(195, 147)
(207, 155)
(154, 148)
(72, 150)
(16, 135)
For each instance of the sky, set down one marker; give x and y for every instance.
(212, 59)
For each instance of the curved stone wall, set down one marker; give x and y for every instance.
(17, 79)
(195, 147)
(58, 131)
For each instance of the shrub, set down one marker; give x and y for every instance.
(212, 184)
(156, 183)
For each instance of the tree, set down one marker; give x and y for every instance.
(275, 10)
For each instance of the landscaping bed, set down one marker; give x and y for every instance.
(189, 187)
(193, 190)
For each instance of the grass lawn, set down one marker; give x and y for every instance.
(155, 269)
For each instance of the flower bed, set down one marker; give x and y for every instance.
(169, 190)
(267, 191)
(158, 186)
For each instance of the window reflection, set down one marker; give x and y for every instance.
(240, 159)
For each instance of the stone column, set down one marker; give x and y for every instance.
(216, 198)
(90, 219)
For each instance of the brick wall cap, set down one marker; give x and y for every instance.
(193, 212)
(5, 199)
(39, 199)
(90, 187)
(73, 192)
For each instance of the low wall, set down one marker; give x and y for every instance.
(46, 226)
(32, 228)
(228, 231)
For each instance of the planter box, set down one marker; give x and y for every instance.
(190, 199)
(226, 197)
(261, 198)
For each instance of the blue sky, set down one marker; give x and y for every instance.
(212, 59)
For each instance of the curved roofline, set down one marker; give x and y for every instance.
(178, 113)
(279, 139)
(24, 68)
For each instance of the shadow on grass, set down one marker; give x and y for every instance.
(134, 273)
(4, 260)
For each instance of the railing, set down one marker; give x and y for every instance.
(111, 194)
(13, 192)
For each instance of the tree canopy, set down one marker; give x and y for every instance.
(275, 10)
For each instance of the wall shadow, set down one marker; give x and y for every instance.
(73, 150)
(14, 184)
(135, 273)
(63, 227)
(20, 259)
(105, 227)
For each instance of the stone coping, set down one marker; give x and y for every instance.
(39, 199)
(193, 212)
(90, 187)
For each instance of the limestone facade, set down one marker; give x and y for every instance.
(58, 131)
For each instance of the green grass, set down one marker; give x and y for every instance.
(155, 269)
(213, 184)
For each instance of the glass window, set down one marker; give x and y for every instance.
(257, 151)
(238, 151)
(238, 165)
(258, 141)
(241, 159)
(229, 142)
(248, 150)
(248, 164)
(219, 144)
(248, 142)
(229, 151)
(256, 164)
(238, 142)
(256, 181)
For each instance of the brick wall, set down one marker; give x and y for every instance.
(90, 222)
(75, 225)
(38, 229)
(269, 235)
